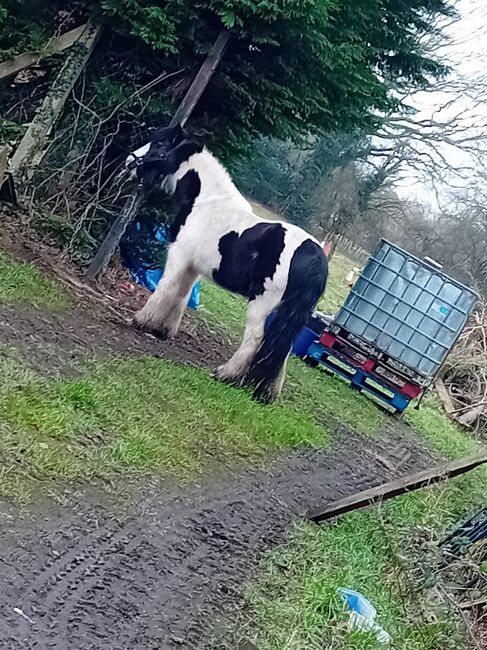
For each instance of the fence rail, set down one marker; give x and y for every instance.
(348, 247)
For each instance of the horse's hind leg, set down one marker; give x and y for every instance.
(235, 368)
(164, 309)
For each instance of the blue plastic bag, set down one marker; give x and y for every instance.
(149, 277)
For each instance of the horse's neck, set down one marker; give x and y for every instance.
(215, 181)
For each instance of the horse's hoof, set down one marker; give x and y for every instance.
(159, 331)
(221, 375)
(162, 333)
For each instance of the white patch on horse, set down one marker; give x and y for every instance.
(137, 155)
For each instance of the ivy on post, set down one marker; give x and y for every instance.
(137, 196)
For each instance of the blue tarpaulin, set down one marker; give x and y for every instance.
(148, 276)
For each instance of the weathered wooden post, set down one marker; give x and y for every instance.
(32, 146)
(137, 196)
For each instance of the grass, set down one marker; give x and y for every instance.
(337, 288)
(294, 604)
(439, 432)
(263, 212)
(145, 415)
(150, 415)
(222, 309)
(24, 283)
(389, 553)
(327, 399)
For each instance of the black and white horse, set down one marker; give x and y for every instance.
(277, 266)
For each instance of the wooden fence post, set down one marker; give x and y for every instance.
(134, 201)
(31, 149)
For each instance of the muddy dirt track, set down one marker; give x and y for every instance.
(154, 572)
(153, 576)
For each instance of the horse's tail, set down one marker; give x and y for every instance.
(306, 283)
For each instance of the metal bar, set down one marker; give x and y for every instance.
(412, 282)
(393, 336)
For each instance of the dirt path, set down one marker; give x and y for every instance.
(60, 344)
(91, 576)
(153, 572)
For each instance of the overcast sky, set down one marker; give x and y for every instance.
(465, 50)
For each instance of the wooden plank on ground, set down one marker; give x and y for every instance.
(444, 396)
(57, 44)
(396, 488)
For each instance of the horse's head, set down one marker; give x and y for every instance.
(161, 142)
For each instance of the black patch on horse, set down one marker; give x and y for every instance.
(249, 259)
(171, 135)
(187, 189)
(158, 163)
(308, 272)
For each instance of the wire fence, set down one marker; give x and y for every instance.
(108, 113)
(21, 96)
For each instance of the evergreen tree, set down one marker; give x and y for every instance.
(292, 68)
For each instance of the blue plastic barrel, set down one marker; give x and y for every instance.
(302, 342)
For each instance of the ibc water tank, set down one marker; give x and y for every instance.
(407, 308)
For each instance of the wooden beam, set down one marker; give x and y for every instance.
(202, 79)
(5, 150)
(444, 396)
(134, 201)
(57, 44)
(7, 188)
(104, 253)
(31, 149)
(396, 488)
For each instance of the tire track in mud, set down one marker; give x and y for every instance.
(153, 578)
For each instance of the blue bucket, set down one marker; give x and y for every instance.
(302, 342)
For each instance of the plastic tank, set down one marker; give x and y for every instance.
(407, 308)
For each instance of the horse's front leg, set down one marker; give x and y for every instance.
(164, 309)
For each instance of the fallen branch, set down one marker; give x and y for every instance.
(395, 488)
(473, 603)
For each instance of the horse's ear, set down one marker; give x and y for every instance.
(179, 134)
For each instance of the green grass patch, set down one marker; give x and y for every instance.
(327, 399)
(21, 282)
(441, 434)
(263, 212)
(382, 553)
(222, 309)
(389, 553)
(144, 415)
(330, 400)
(337, 288)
